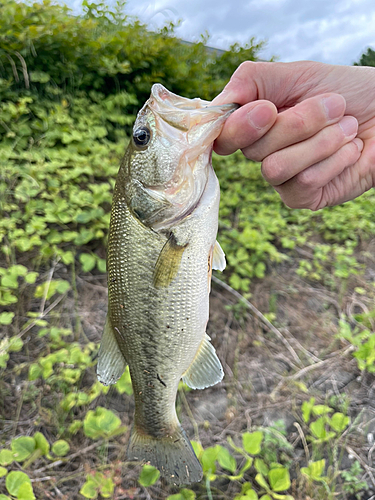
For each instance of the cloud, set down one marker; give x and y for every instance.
(335, 32)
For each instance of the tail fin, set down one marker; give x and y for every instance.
(172, 455)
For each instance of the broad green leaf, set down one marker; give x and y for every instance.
(6, 457)
(100, 423)
(226, 460)
(148, 476)
(198, 448)
(31, 277)
(4, 497)
(25, 492)
(22, 447)
(15, 344)
(124, 383)
(90, 488)
(35, 371)
(259, 478)
(252, 442)
(107, 487)
(88, 262)
(339, 422)
(184, 494)
(314, 470)
(318, 428)
(41, 443)
(208, 459)
(261, 466)
(279, 479)
(306, 408)
(265, 497)
(60, 448)
(3, 471)
(14, 480)
(6, 318)
(321, 409)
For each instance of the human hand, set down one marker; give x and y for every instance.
(312, 126)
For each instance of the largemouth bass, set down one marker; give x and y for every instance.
(161, 251)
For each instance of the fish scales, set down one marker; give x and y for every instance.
(159, 250)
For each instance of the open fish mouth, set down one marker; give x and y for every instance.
(184, 113)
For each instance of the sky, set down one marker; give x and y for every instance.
(330, 31)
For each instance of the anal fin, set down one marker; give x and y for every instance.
(111, 362)
(206, 369)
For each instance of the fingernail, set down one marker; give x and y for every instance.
(359, 144)
(334, 106)
(260, 116)
(349, 125)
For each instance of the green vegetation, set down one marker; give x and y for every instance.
(69, 90)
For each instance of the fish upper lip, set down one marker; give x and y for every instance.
(164, 96)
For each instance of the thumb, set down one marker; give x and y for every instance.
(284, 84)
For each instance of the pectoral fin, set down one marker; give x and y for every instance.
(111, 362)
(206, 369)
(168, 263)
(218, 261)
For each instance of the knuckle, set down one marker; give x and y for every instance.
(243, 69)
(273, 170)
(306, 179)
(299, 120)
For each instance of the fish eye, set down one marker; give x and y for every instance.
(141, 137)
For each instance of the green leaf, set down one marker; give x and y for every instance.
(261, 466)
(198, 448)
(25, 492)
(148, 476)
(41, 443)
(90, 488)
(6, 318)
(100, 423)
(265, 497)
(3, 471)
(124, 383)
(22, 447)
(259, 478)
(339, 422)
(184, 494)
(88, 262)
(4, 497)
(14, 480)
(107, 487)
(9, 281)
(60, 448)
(226, 460)
(251, 495)
(35, 371)
(6, 457)
(279, 479)
(321, 409)
(31, 277)
(315, 470)
(15, 344)
(252, 441)
(306, 408)
(208, 459)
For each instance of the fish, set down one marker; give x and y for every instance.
(161, 251)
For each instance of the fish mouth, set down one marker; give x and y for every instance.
(184, 114)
